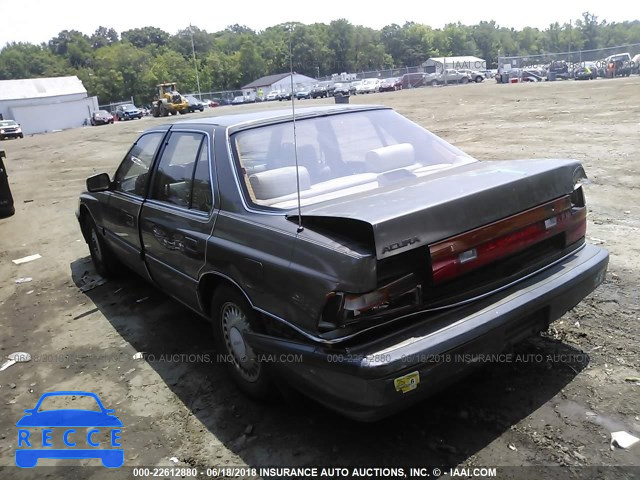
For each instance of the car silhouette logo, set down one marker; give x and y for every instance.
(31, 447)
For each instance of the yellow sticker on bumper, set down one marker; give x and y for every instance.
(407, 382)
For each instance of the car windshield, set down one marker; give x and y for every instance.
(8, 123)
(337, 155)
(102, 112)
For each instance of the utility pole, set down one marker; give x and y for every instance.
(195, 63)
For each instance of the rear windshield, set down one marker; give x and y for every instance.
(338, 155)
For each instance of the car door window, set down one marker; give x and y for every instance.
(131, 176)
(202, 196)
(173, 179)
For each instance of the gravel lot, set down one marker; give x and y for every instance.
(558, 411)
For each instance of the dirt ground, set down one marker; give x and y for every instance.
(557, 412)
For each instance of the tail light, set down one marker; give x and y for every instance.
(471, 250)
(344, 308)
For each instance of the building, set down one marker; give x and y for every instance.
(46, 104)
(437, 64)
(280, 82)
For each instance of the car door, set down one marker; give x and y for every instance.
(125, 198)
(179, 214)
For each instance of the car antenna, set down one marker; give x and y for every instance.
(295, 138)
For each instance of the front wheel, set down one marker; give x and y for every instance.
(233, 318)
(103, 259)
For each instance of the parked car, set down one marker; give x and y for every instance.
(10, 129)
(527, 75)
(622, 64)
(284, 96)
(272, 95)
(238, 100)
(210, 103)
(369, 85)
(635, 64)
(588, 71)
(101, 117)
(195, 105)
(473, 75)
(344, 89)
(319, 91)
(390, 85)
(414, 80)
(128, 112)
(357, 85)
(558, 70)
(303, 93)
(383, 249)
(449, 76)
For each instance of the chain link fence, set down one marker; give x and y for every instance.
(225, 97)
(539, 63)
(111, 107)
(600, 58)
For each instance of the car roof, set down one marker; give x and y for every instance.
(277, 115)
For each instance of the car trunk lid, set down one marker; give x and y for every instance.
(405, 216)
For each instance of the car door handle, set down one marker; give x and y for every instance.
(191, 244)
(129, 219)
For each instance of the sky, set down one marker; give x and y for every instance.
(37, 21)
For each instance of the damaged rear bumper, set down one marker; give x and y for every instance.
(371, 380)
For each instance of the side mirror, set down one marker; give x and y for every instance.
(98, 183)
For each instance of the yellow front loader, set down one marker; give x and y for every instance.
(169, 101)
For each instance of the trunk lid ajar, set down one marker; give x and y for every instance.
(406, 216)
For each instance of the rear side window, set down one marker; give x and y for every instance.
(182, 177)
(131, 176)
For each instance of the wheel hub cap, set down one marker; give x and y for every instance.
(234, 324)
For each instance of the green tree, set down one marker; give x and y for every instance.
(590, 29)
(250, 62)
(24, 60)
(103, 37)
(221, 71)
(341, 44)
(145, 36)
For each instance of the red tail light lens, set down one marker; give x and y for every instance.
(476, 248)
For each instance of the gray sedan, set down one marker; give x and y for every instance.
(365, 261)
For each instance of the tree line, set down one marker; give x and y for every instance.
(117, 66)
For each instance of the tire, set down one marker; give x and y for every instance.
(464, 80)
(103, 259)
(232, 315)
(434, 83)
(479, 79)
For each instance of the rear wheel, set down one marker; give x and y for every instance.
(233, 318)
(103, 259)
